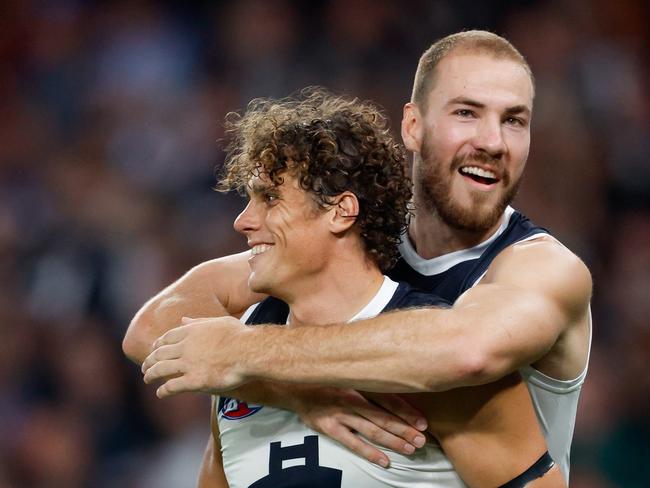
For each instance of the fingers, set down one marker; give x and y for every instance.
(380, 435)
(351, 411)
(391, 426)
(160, 354)
(171, 337)
(172, 387)
(399, 407)
(356, 444)
(163, 370)
(387, 430)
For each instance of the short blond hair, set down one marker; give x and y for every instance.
(474, 41)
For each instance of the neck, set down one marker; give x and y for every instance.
(432, 237)
(336, 294)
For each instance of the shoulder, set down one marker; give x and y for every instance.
(544, 255)
(543, 264)
(213, 268)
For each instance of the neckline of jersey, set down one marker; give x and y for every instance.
(379, 301)
(440, 264)
(372, 308)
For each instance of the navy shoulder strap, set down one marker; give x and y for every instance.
(269, 311)
(453, 282)
(519, 228)
(406, 296)
(275, 311)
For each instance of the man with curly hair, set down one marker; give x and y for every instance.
(330, 145)
(521, 299)
(328, 202)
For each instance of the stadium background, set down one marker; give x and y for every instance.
(110, 117)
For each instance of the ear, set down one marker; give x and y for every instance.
(412, 127)
(345, 210)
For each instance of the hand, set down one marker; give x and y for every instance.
(197, 356)
(351, 419)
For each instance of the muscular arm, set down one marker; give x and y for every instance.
(212, 289)
(531, 305)
(211, 474)
(533, 295)
(489, 432)
(220, 287)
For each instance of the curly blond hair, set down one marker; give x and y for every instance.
(330, 144)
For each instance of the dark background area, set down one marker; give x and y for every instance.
(111, 114)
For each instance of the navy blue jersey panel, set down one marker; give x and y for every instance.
(446, 285)
(270, 311)
(456, 280)
(406, 296)
(275, 311)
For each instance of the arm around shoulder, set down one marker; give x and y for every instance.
(531, 306)
(211, 289)
(531, 298)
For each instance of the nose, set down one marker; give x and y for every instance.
(489, 137)
(247, 221)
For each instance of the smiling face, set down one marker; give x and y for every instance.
(288, 235)
(473, 140)
(337, 150)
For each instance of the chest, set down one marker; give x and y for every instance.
(263, 447)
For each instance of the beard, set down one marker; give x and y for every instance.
(433, 181)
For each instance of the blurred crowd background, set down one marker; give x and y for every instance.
(111, 113)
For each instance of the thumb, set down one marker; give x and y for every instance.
(187, 320)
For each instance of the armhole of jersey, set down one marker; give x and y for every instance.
(542, 466)
(552, 384)
(249, 311)
(217, 398)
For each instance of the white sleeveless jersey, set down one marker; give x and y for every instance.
(264, 447)
(555, 401)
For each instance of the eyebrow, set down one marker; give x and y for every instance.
(465, 101)
(517, 109)
(258, 188)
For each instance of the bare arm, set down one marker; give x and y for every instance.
(532, 300)
(212, 289)
(219, 288)
(490, 433)
(531, 305)
(212, 474)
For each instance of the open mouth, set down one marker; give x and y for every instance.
(483, 176)
(260, 249)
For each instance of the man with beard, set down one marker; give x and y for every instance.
(521, 299)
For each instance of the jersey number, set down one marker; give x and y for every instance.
(310, 475)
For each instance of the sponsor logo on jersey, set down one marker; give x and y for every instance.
(233, 409)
